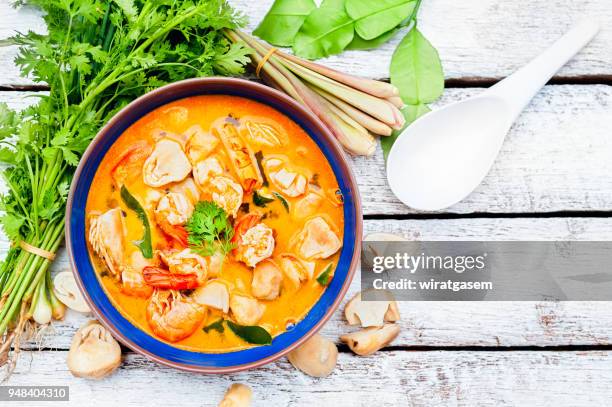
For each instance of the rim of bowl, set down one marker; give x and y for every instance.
(337, 152)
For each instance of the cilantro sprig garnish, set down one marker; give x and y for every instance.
(209, 229)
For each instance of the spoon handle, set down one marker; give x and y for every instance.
(519, 88)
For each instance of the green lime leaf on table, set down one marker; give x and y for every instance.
(416, 70)
(132, 203)
(326, 31)
(374, 18)
(215, 326)
(283, 21)
(359, 43)
(411, 113)
(325, 277)
(251, 334)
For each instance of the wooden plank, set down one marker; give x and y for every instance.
(555, 158)
(458, 323)
(476, 39)
(396, 378)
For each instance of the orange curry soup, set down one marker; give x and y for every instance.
(262, 174)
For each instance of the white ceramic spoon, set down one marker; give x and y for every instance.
(443, 156)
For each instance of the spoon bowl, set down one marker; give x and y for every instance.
(461, 143)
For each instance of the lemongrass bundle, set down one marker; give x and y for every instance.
(354, 109)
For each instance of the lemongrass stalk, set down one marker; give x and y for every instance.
(341, 114)
(397, 102)
(375, 88)
(373, 106)
(275, 76)
(354, 140)
(375, 126)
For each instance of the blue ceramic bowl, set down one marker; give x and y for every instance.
(140, 341)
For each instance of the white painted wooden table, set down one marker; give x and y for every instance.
(553, 180)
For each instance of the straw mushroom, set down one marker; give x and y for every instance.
(238, 395)
(370, 313)
(67, 291)
(94, 353)
(370, 340)
(316, 357)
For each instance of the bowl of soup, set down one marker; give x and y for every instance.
(213, 225)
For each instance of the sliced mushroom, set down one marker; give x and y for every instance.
(67, 291)
(370, 340)
(168, 163)
(316, 357)
(317, 240)
(246, 311)
(370, 313)
(94, 353)
(267, 280)
(237, 395)
(264, 134)
(288, 181)
(214, 294)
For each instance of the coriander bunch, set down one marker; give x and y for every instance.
(97, 57)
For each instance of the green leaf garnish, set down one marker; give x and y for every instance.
(361, 44)
(416, 69)
(143, 244)
(283, 21)
(282, 200)
(251, 334)
(326, 31)
(261, 200)
(326, 276)
(209, 229)
(216, 326)
(374, 18)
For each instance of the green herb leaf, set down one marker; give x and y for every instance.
(260, 200)
(216, 326)
(374, 18)
(411, 113)
(416, 70)
(282, 200)
(326, 276)
(326, 31)
(359, 43)
(252, 334)
(145, 243)
(283, 21)
(209, 229)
